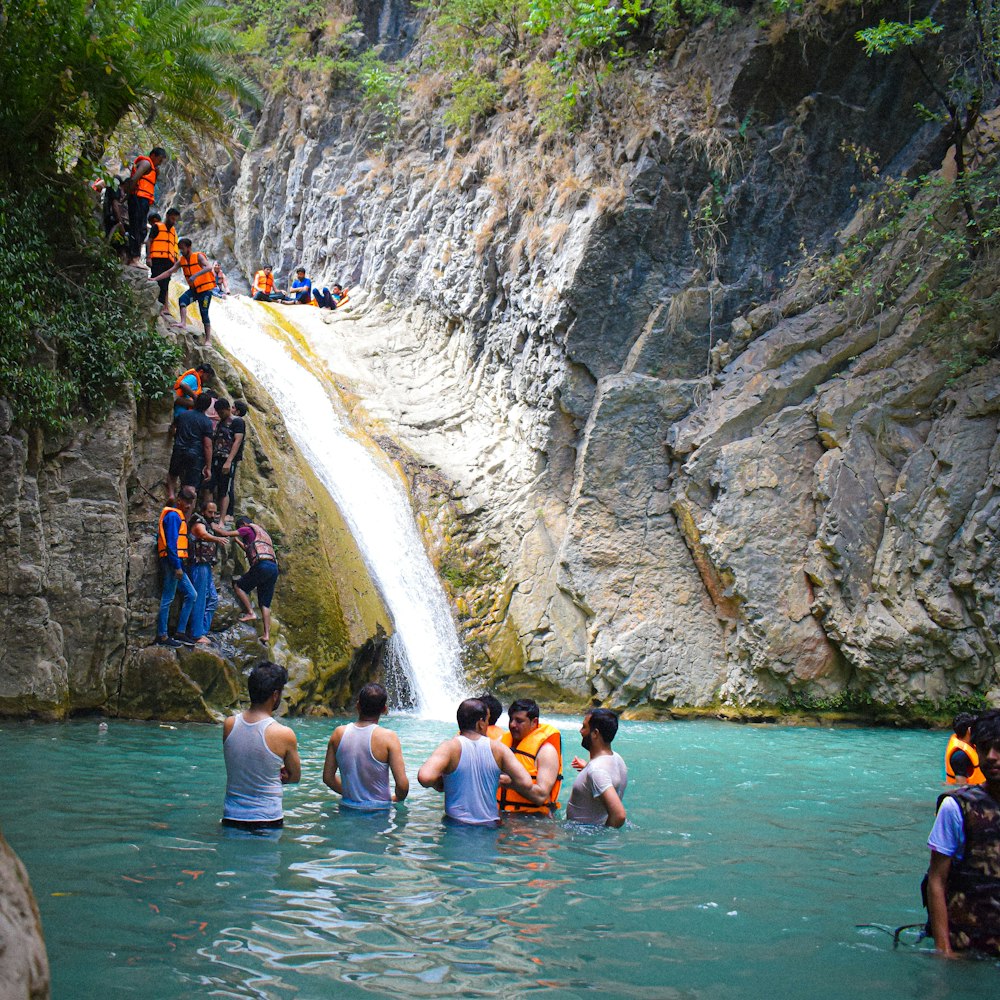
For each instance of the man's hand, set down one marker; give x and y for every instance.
(504, 781)
(578, 764)
(206, 473)
(284, 775)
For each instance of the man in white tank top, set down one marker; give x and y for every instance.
(261, 755)
(467, 769)
(364, 753)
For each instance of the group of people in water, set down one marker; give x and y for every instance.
(962, 887)
(483, 772)
(209, 437)
(131, 225)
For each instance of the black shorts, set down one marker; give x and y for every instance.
(261, 578)
(250, 824)
(187, 467)
(221, 482)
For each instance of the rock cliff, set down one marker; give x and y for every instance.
(654, 469)
(79, 585)
(24, 965)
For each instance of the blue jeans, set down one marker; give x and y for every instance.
(193, 611)
(211, 603)
(170, 585)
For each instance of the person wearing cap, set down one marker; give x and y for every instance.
(301, 288)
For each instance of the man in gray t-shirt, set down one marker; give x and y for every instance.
(600, 786)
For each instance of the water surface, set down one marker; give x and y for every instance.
(750, 855)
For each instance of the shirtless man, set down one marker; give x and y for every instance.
(467, 769)
(261, 754)
(364, 753)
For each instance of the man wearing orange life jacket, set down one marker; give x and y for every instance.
(172, 549)
(263, 289)
(538, 746)
(141, 189)
(961, 762)
(189, 386)
(162, 251)
(198, 271)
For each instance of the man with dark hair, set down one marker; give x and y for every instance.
(301, 288)
(961, 764)
(261, 754)
(467, 768)
(200, 278)
(262, 574)
(172, 549)
(597, 794)
(963, 881)
(494, 710)
(162, 251)
(191, 458)
(190, 385)
(203, 553)
(364, 753)
(238, 425)
(141, 190)
(539, 748)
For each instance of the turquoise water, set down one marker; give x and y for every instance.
(750, 855)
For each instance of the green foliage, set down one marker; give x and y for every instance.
(475, 98)
(890, 36)
(381, 89)
(72, 336)
(75, 71)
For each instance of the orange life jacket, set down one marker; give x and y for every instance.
(261, 549)
(263, 282)
(164, 243)
(182, 535)
(178, 391)
(977, 777)
(190, 265)
(494, 732)
(146, 185)
(527, 753)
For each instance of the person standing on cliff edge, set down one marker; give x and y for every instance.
(141, 190)
(172, 549)
(261, 755)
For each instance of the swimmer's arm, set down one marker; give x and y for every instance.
(613, 804)
(520, 780)
(330, 776)
(398, 768)
(433, 770)
(291, 771)
(227, 727)
(548, 770)
(937, 906)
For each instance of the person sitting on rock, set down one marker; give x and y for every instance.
(221, 289)
(301, 288)
(340, 296)
(263, 289)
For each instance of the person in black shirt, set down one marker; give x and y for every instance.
(191, 459)
(238, 428)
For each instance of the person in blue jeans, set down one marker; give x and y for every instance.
(172, 549)
(203, 554)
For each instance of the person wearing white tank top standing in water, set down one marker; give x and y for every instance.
(261, 754)
(467, 769)
(364, 753)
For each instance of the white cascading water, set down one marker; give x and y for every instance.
(371, 499)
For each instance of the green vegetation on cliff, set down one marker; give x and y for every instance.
(79, 78)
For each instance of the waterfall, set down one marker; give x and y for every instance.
(368, 492)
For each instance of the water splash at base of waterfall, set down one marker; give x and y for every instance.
(370, 495)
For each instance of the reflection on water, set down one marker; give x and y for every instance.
(750, 856)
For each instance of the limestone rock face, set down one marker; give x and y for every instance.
(80, 579)
(24, 965)
(650, 472)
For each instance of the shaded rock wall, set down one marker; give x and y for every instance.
(700, 487)
(24, 965)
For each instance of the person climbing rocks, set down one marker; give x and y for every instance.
(961, 763)
(190, 385)
(261, 755)
(262, 574)
(201, 281)
(191, 458)
(539, 747)
(221, 289)
(467, 768)
(263, 290)
(224, 447)
(141, 190)
(963, 880)
(162, 251)
(597, 793)
(203, 554)
(301, 288)
(238, 426)
(172, 550)
(364, 753)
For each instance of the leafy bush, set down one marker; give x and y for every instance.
(73, 336)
